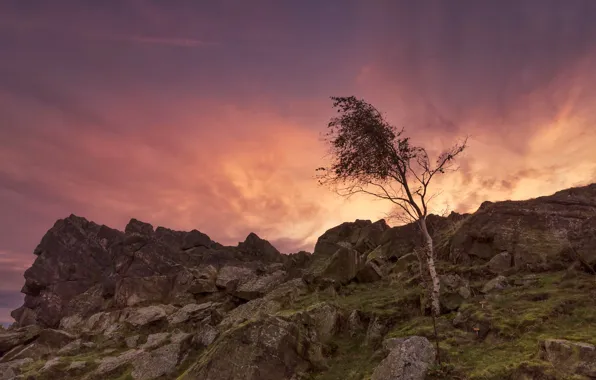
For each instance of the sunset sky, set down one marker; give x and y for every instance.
(209, 114)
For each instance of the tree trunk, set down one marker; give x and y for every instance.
(435, 291)
(430, 261)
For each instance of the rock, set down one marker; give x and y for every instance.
(193, 281)
(195, 239)
(145, 315)
(205, 336)
(24, 316)
(497, 283)
(161, 362)
(131, 291)
(259, 248)
(71, 348)
(135, 226)
(369, 273)
(10, 370)
(155, 340)
(408, 359)
(76, 367)
(375, 331)
(31, 351)
(401, 265)
(500, 263)
(132, 341)
(570, 358)
(13, 338)
(326, 320)
(537, 233)
(258, 286)
(259, 307)
(191, 311)
(230, 276)
(112, 364)
(50, 364)
(342, 267)
(54, 338)
(361, 235)
(269, 349)
(454, 290)
(355, 324)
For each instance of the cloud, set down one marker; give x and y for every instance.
(166, 41)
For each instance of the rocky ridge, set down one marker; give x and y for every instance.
(517, 279)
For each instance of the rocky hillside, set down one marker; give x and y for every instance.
(518, 290)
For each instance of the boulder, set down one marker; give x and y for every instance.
(145, 315)
(500, 263)
(256, 287)
(155, 340)
(570, 358)
(205, 336)
(370, 272)
(258, 248)
(497, 283)
(192, 312)
(10, 370)
(408, 359)
(13, 338)
(160, 362)
(229, 277)
(194, 239)
(341, 267)
(454, 290)
(135, 226)
(268, 349)
(113, 365)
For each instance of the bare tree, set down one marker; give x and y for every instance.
(370, 156)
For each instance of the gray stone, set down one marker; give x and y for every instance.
(497, 283)
(571, 358)
(408, 359)
(500, 262)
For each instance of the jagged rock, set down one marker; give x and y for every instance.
(205, 336)
(10, 370)
(408, 359)
(132, 291)
(112, 364)
(500, 263)
(259, 307)
(146, 315)
(191, 311)
(192, 281)
(355, 324)
(401, 265)
(538, 233)
(13, 338)
(497, 283)
(155, 340)
(160, 362)
(132, 341)
(454, 290)
(370, 272)
(326, 319)
(31, 351)
(258, 286)
(195, 239)
(570, 358)
(375, 331)
(24, 316)
(269, 349)
(54, 338)
(229, 277)
(76, 367)
(362, 235)
(259, 248)
(135, 226)
(342, 267)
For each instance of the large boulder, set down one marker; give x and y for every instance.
(13, 338)
(341, 267)
(540, 234)
(570, 358)
(362, 235)
(259, 248)
(408, 359)
(454, 291)
(268, 349)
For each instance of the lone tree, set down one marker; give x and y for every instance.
(370, 156)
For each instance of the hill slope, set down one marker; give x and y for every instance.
(518, 290)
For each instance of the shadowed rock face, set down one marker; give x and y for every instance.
(82, 268)
(540, 234)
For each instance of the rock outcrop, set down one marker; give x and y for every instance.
(149, 303)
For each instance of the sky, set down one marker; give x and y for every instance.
(209, 115)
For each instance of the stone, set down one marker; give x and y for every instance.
(13, 338)
(375, 331)
(500, 263)
(160, 362)
(258, 286)
(341, 267)
(206, 336)
(454, 291)
(355, 324)
(76, 367)
(570, 358)
(259, 248)
(144, 315)
(111, 364)
(195, 239)
(269, 349)
(191, 311)
(230, 276)
(135, 226)
(155, 340)
(401, 265)
(54, 338)
(132, 341)
(369, 273)
(10, 370)
(497, 283)
(408, 359)
(326, 320)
